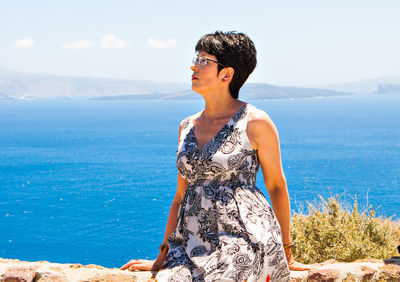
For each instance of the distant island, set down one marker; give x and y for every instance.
(388, 89)
(18, 85)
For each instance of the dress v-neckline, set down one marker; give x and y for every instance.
(219, 131)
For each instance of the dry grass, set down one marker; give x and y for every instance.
(329, 230)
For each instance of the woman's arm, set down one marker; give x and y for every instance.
(176, 202)
(173, 212)
(263, 137)
(172, 220)
(140, 264)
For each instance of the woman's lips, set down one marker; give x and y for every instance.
(193, 77)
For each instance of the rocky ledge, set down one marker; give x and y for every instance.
(12, 270)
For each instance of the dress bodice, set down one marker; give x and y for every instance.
(227, 158)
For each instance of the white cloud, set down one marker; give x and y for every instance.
(82, 44)
(111, 41)
(155, 43)
(24, 43)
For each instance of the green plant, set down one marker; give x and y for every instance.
(331, 231)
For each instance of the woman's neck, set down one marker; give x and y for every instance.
(220, 106)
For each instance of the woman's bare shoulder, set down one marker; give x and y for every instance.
(258, 119)
(260, 128)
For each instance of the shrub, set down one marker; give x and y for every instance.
(331, 231)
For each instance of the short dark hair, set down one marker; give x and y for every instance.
(232, 49)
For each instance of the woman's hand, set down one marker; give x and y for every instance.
(294, 265)
(143, 264)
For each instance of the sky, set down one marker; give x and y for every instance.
(308, 42)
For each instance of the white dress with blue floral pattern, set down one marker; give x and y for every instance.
(226, 229)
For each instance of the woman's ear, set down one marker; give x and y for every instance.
(227, 74)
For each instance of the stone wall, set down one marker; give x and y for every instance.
(12, 270)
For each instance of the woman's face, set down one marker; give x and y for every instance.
(205, 77)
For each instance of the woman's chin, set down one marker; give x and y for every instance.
(196, 89)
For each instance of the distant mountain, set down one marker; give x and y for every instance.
(18, 85)
(4, 97)
(7, 72)
(388, 89)
(250, 91)
(362, 86)
(266, 91)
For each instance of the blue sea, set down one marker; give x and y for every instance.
(84, 181)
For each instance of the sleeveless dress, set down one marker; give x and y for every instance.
(226, 229)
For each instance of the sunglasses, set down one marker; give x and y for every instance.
(203, 61)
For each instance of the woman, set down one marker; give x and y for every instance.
(220, 226)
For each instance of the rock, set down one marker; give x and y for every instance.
(350, 278)
(323, 274)
(329, 261)
(111, 278)
(367, 273)
(18, 274)
(297, 279)
(390, 272)
(94, 266)
(298, 276)
(50, 277)
(369, 260)
(331, 270)
(76, 265)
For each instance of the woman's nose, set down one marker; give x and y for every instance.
(193, 67)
